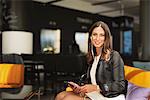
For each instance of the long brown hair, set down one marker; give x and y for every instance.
(107, 43)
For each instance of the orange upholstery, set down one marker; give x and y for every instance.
(137, 76)
(69, 89)
(11, 75)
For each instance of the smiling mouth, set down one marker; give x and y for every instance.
(97, 43)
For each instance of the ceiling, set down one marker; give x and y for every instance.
(110, 8)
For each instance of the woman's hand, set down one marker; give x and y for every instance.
(76, 89)
(89, 88)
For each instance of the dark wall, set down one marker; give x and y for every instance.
(69, 21)
(33, 16)
(0, 43)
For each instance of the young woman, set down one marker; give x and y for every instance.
(106, 69)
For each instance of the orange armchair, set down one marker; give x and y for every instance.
(138, 83)
(11, 75)
(137, 76)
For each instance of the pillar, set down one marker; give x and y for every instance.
(145, 28)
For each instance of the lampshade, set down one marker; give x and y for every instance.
(17, 42)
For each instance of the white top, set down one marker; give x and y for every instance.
(93, 70)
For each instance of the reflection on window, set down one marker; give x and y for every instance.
(82, 40)
(50, 41)
(127, 42)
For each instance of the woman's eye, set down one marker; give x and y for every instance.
(102, 35)
(94, 34)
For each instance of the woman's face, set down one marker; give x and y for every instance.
(98, 37)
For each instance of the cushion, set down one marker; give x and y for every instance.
(137, 76)
(11, 75)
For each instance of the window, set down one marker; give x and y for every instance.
(50, 41)
(82, 40)
(127, 42)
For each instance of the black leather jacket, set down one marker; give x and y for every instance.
(110, 75)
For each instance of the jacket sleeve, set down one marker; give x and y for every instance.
(117, 85)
